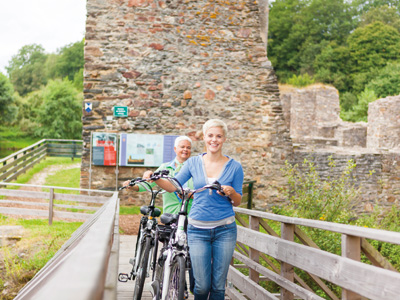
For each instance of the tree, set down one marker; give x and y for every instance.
(360, 111)
(373, 46)
(387, 81)
(385, 14)
(60, 114)
(27, 69)
(70, 60)
(299, 30)
(332, 66)
(8, 109)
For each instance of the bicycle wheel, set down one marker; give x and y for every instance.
(176, 289)
(142, 269)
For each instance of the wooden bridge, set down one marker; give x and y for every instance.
(267, 264)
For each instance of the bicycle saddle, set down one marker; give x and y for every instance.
(168, 218)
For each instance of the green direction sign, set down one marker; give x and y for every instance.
(120, 111)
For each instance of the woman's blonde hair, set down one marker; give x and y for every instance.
(215, 123)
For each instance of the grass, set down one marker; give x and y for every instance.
(23, 260)
(47, 162)
(65, 178)
(13, 139)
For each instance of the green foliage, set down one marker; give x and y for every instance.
(8, 109)
(26, 69)
(298, 31)
(373, 46)
(70, 61)
(301, 80)
(314, 198)
(331, 66)
(385, 14)
(347, 101)
(386, 82)
(60, 114)
(360, 111)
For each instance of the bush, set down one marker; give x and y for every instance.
(314, 198)
(301, 80)
(60, 114)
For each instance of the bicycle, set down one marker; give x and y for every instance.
(169, 270)
(145, 240)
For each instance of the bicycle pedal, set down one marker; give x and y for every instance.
(123, 277)
(132, 261)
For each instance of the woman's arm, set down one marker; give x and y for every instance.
(162, 183)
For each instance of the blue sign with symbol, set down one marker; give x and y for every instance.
(88, 107)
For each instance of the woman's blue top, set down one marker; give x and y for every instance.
(208, 205)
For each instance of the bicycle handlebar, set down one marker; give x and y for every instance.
(142, 181)
(163, 174)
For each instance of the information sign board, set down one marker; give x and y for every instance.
(104, 152)
(120, 111)
(146, 150)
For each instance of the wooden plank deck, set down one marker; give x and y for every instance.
(125, 289)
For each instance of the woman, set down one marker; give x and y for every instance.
(183, 150)
(212, 228)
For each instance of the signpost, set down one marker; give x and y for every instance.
(120, 111)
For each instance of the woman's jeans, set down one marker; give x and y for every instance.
(211, 252)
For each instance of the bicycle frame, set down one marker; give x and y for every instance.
(148, 225)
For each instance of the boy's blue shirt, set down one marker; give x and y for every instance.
(208, 205)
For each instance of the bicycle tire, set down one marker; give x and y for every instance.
(142, 269)
(176, 288)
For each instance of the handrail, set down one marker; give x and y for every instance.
(84, 268)
(19, 162)
(369, 233)
(274, 257)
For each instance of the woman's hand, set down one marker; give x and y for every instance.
(231, 193)
(128, 187)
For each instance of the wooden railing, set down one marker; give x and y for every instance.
(48, 203)
(272, 257)
(86, 266)
(19, 162)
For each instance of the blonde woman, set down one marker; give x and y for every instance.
(212, 229)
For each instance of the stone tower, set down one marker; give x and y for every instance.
(176, 64)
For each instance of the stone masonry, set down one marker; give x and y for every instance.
(176, 64)
(312, 115)
(384, 123)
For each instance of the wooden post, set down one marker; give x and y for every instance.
(51, 198)
(351, 248)
(287, 270)
(254, 224)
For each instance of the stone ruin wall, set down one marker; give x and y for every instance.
(312, 114)
(176, 64)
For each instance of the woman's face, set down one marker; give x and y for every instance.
(183, 150)
(214, 139)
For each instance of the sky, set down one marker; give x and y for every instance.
(50, 23)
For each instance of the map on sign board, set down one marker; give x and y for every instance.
(146, 150)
